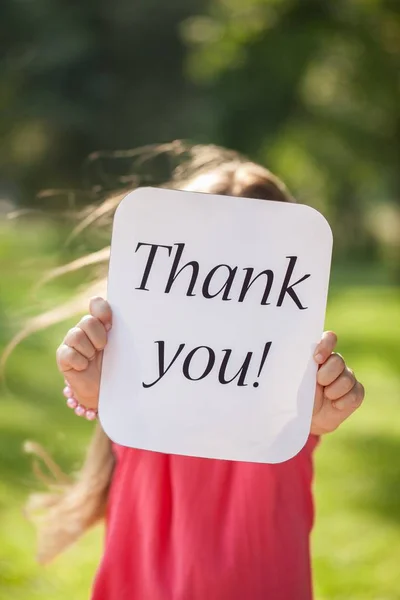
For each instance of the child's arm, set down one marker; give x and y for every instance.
(80, 356)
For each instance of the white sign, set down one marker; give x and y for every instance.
(218, 304)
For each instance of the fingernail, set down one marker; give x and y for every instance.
(319, 358)
(108, 326)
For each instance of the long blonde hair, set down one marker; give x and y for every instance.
(70, 507)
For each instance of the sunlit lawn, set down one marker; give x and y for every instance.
(356, 542)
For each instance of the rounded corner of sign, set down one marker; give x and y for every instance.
(289, 451)
(144, 190)
(319, 218)
(121, 206)
(133, 196)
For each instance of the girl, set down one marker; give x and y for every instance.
(183, 528)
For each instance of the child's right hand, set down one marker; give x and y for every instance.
(80, 356)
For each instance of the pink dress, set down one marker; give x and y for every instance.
(182, 528)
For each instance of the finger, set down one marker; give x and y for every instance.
(332, 414)
(95, 331)
(331, 370)
(352, 400)
(100, 309)
(325, 347)
(76, 338)
(69, 359)
(341, 386)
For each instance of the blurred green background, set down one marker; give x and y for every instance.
(309, 88)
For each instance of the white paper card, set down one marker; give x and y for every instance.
(218, 303)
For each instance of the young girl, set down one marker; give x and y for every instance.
(183, 528)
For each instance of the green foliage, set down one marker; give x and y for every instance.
(308, 87)
(311, 89)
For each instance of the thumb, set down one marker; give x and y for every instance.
(100, 309)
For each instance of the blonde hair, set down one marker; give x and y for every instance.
(70, 507)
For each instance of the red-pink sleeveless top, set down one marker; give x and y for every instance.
(183, 528)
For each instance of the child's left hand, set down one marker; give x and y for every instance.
(338, 392)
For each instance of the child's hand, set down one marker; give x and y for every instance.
(338, 392)
(80, 355)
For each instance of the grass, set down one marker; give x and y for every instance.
(356, 540)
